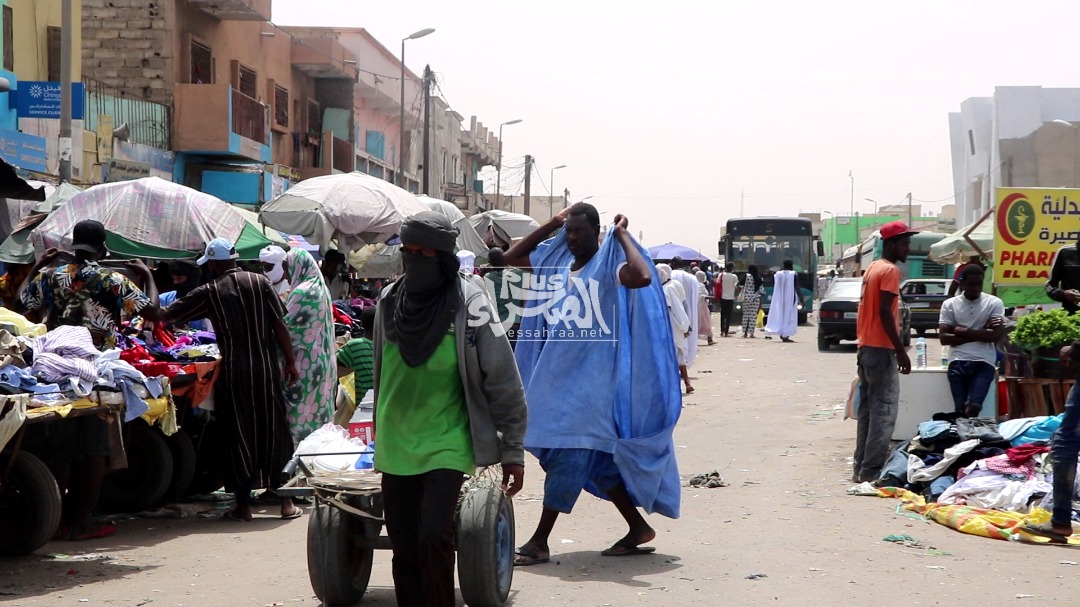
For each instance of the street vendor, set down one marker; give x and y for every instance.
(249, 395)
(82, 293)
(598, 313)
(448, 399)
(185, 276)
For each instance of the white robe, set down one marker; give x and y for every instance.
(690, 287)
(783, 309)
(680, 324)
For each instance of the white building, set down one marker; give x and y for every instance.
(1023, 136)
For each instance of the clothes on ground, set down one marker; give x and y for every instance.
(784, 306)
(309, 318)
(960, 311)
(585, 394)
(881, 277)
(249, 395)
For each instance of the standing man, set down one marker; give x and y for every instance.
(971, 323)
(272, 258)
(784, 306)
(594, 423)
(881, 356)
(1064, 286)
(84, 294)
(249, 395)
(448, 398)
(724, 290)
(332, 263)
(185, 277)
(689, 286)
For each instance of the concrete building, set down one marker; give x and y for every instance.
(254, 108)
(1023, 136)
(479, 148)
(541, 208)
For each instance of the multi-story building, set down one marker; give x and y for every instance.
(1023, 136)
(254, 107)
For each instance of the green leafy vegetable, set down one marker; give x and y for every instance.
(1046, 329)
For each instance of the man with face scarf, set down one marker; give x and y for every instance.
(273, 263)
(448, 398)
(185, 277)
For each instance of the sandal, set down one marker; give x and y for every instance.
(525, 557)
(1046, 530)
(296, 513)
(627, 548)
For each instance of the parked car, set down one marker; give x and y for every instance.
(924, 297)
(839, 311)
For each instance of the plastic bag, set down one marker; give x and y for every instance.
(760, 323)
(330, 439)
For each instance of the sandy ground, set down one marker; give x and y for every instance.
(764, 414)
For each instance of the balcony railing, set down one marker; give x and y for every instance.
(249, 117)
(148, 122)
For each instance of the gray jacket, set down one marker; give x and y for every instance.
(489, 375)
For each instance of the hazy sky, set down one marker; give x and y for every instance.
(668, 111)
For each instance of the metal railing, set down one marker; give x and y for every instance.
(148, 122)
(249, 118)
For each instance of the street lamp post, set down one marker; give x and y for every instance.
(551, 201)
(498, 167)
(875, 205)
(401, 130)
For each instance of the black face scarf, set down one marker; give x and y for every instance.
(185, 268)
(425, 301)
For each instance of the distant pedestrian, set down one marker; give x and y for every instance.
(753, 290)
(704, 317)
(680, 323)
(726, 284)
(881, 356)
(784, 306)
(689, 287)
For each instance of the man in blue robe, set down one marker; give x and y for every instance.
(596, 358)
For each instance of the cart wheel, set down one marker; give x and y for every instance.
(29, 505)
(183, 458)
(485, 545)
(338, 567)
(147, 477)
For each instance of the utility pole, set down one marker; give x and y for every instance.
(65, 91)
(909, 220)
(565, 197)
(528, 179)
(427, 129)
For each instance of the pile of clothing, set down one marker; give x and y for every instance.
(954, 460)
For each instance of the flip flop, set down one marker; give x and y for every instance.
(1046, 530)
(625, 548)
(296, 513)
(533, 557)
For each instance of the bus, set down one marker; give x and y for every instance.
(767, 242)
(918, 265)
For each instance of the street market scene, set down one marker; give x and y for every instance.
(281, 325)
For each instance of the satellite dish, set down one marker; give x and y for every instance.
(122, 132)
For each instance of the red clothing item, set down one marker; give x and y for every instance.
(1023, 453)
(717, 288)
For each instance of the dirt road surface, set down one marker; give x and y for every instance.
(765, 415)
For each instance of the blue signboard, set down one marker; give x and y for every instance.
(37, 99)
(22, 150)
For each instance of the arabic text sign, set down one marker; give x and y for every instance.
(39, 99)
(1031, 224)
(23, 150)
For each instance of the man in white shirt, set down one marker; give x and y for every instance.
(725, 292)
(971, 323)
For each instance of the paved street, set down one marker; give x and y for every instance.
(764, 414)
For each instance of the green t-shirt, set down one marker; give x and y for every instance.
(422, 418)
(358, 355)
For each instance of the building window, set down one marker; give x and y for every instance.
(9, 40)
(53, 36)
(376, 144)
(971, 141)
(202, 64)
(281, 106)
(314, 118)
(248, 82)
(445, 157)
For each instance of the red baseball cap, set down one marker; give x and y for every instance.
(894, 229)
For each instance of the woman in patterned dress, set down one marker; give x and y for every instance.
(753, 289)
(310, 319)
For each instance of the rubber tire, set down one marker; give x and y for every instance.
(147, 477)
(485, 515)
(803, 318)
(338, 569)
(31, 506)
(184, 460)
(822, 343)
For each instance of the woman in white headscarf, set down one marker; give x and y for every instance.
(704, 317)
(273, 258)
(680, 322)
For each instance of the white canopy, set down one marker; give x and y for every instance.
(956, 247)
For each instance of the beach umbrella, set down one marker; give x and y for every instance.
(468, 238)
(503, 227)
(151, 218)
(670, 250)
(353, 209)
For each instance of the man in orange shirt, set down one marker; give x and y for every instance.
(881, 356)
